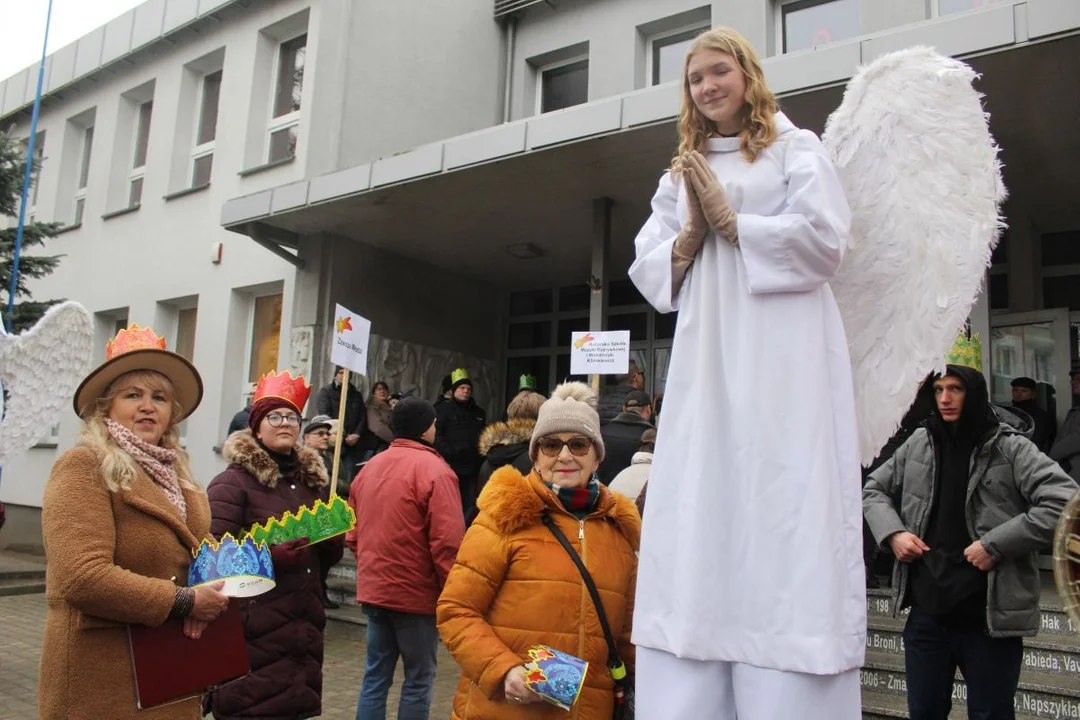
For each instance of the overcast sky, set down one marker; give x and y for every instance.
(22, 27)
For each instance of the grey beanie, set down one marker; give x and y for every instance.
(570, 409)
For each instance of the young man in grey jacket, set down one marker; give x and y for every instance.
(965, 505)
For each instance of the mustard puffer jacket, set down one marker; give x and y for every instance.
(514, 586)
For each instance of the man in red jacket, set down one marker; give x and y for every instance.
(409, 525)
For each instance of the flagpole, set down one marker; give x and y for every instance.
(28, 175)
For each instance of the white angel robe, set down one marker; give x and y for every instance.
(752, 541)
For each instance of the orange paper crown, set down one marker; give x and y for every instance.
(133, 338)
(284, 386)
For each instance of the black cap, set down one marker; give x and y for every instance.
(637, 399)
(411, 418)
(1024, 382)
(319, 421)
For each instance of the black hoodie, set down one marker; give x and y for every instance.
(943, 582)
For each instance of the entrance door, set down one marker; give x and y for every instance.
(1037, 345)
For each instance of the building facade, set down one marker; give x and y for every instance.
(469, 176)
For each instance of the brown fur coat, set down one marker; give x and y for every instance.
(113, 558)
(514, 587)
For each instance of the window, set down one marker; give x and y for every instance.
(84, 174)
(563, 85)
(806, 24)
(948, 7)
(202, 155)
(138, 160)
(667, 53)
(39, 158)
(284, 123)
(265, 336)
(185, 333)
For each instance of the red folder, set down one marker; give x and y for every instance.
(169, 666)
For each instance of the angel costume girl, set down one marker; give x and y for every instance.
(751, 600)
(751, 594)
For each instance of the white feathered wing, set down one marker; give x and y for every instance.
(40, 369)
(913, 148)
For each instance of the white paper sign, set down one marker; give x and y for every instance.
(600, 353)
(351, 335)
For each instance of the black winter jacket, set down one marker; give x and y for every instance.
(621, 439)
(457, 435)
(328, 402)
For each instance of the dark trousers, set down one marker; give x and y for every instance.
(934, 649)
(467, 487)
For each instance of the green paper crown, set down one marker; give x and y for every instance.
(527, 382)
(458, 375)
(317, 523)
(966, 352)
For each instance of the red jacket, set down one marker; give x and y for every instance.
(409, 525)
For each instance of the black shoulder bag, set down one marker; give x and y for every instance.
(624, 682)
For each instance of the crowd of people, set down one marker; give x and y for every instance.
(491, 537)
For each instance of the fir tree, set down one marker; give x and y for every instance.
(31, 266)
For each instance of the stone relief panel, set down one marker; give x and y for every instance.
(415, 369)
(300, 342)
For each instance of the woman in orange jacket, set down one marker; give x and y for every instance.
(514, 586)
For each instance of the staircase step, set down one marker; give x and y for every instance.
(10, 586)
(341, 590)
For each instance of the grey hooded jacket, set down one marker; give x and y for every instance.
(1015, 495)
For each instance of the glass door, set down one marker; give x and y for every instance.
(1038, 345)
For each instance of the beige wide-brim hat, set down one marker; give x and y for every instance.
(185, 379)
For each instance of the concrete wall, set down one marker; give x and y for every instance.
(417, 72)
(148, 262)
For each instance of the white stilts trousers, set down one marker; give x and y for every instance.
(672, 688)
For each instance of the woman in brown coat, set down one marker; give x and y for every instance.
(514, 586)
(120, 518)
(268, 475)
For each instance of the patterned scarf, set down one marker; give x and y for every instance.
(158, 462)
(578, 501)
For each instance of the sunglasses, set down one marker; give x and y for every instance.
(552, 446)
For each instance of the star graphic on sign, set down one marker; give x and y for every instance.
(583, 341)
(344, 324)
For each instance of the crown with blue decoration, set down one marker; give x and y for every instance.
(244, 565)
(319, 522)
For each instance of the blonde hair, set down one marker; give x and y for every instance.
(525, 405)
(759, 127)
(118, 467)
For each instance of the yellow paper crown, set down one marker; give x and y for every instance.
(284, 386)
(133, 338)
(458, 375)
(966, 352)
(317, 523)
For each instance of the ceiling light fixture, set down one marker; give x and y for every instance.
(525, 251)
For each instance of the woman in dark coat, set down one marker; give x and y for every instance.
(268, 475)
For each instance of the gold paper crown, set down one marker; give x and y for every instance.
(285, 387)
(966, 352)
(133, 338)
(317, 523)
(458, 375)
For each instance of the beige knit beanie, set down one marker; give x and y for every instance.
(570, 409)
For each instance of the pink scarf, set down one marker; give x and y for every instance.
(158, 462)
